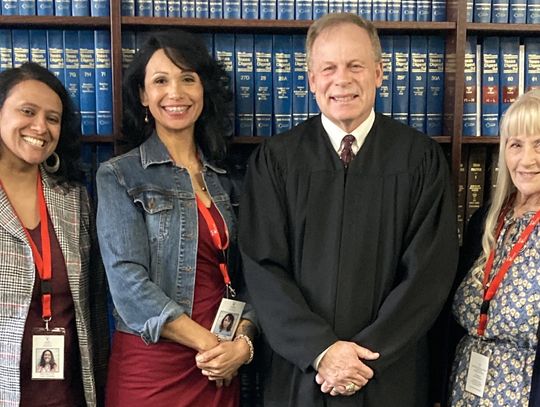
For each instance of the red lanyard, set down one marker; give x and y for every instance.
(490, 289)
(43, 263)
(216, 239)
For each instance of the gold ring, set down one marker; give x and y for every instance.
(351, 387)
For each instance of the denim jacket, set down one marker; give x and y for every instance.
(148, 235)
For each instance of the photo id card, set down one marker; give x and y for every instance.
(48, 354)
(477, 374)
(227, 319)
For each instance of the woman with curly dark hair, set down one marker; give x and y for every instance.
(51, 278)
(47, 362)
(167, 230)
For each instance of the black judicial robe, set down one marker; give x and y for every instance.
(366, 254)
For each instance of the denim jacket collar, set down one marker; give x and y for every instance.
(153, 151)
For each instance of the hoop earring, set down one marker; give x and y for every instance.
(52, 168)
(146, 120)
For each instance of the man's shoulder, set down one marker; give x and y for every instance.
(394, 129)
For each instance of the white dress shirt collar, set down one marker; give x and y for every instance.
(336, 134)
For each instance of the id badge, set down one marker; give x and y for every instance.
(48, 354)
(227, 318)
(477, 373)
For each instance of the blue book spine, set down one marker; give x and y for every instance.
(470, 91)
(312, 105)
(532, 63)
(62, 8)
(174, 8)
(304, 9)
(245, 115)
(350, 6)
(80, 8)
(418, 83)
(334, 6)
(300, 103)
(72, 65)
(379, 9)
(99, 8)
(320, 8)
(102, 41)
(435, 86)
(188, 8)
(518, 12)
(383, 101)
(87, 92)
(128, 8)
(27, 8)
(48, 8)
(408, 10)
(438, 10)
(55, 50)
(285, 9)
(393, 12)
(263, 85)
(128, 48)
(38, 47)
(400, 92)
(364, 9)
(482, 11)
(533, 11)
(509, 69)
(231, 9)
(250, 9)
(10, 8)
(160, 8)
(470, 10)
(224, 52)
(490, 86)
(499, 12)
(216, 8)
(21, 46)
(144, 8)
(423, 10)
(282, 71)
(6, 50)
(202, 9)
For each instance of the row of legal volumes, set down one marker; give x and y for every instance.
(375, 10)
(503, 11)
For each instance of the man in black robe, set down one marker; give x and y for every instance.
(342, 261)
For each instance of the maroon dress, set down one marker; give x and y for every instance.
(165, 373)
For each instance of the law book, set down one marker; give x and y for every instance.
(103, 76)
(423, 10)
(62, 8)
(509, 72)
(499, 12)
(285, 9)
(418, 82)
(282, 72)
(304, 9)
(518, 12)
(379, 10)
(87, 91)
(250, 9)
(365, 9)
(99, 8)
(462, 193)
(268, 9)
(188, 8)
(263, 85)
(482, 11)
(128, 8)
(350, 6)
(160, 8)
(48, 7)
(202, 9)
(438, 10)
(470, 10)
(393, 12)
(72, 65)
(129, 49)
(408, 10)
(216, 8)
(38, 46)
(470, 90)
(400, 82)
(55, 52)
(533, 11)
(320, 8)
(144, 8)
(231, 9)
(435, 86)
(383, 101)
(27, 8)
(10, 8)
(21, 46)
(300, 103)
(224, 52)
(80, 8)
(490, 86)
(494, 170)
(532, 63)
(476, 172)
(244, 93)
(335, 6)
(174, 8)
(313, 107)
(6, 50)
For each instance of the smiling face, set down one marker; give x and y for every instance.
(173, 95)
(47, 356)
(30, 123)
(522, 155)
(344, 74)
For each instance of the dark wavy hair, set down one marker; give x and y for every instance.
(42, 362)
(187, 51)
(69, 147)
(231, 318)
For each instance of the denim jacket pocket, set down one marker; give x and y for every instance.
(157, 206)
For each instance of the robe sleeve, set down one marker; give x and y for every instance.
(293, 330)
(426, 268)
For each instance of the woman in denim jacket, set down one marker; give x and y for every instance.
(162, 263)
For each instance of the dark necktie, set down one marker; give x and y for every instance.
(347, 154)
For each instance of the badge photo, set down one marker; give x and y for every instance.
(227, 319)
